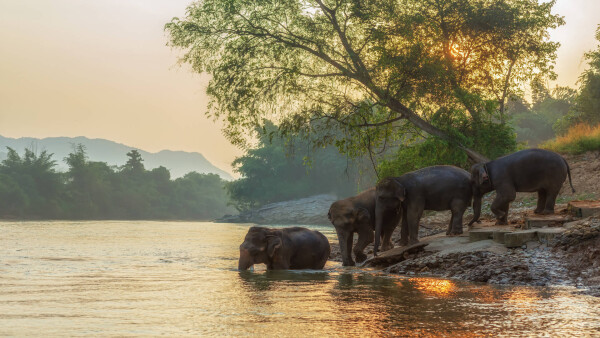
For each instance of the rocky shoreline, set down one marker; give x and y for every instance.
(572, 259)
(309, 210)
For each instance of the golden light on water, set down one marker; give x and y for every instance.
(434, 287)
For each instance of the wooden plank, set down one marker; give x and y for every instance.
(394, 255)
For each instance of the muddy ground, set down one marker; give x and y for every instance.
(572, 258)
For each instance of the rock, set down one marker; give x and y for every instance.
(309, 210)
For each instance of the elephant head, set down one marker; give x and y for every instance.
(347, 218)
(260, 246)
(390, 195)
(481, 183)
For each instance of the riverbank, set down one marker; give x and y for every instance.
(571, 258)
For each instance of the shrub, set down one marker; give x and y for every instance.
(579, 139)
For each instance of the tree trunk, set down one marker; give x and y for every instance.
(427, 127)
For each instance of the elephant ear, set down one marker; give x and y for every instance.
(273, 244)
(399, 192)
(483, 175)
(362, 215)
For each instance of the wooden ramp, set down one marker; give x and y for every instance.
(394, 255)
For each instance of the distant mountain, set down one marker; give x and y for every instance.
(179, 163)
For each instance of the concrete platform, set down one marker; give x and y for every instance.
(541, 221)
(584, 208)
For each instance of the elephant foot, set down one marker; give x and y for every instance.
(455, 233)
(547, 212)
(538, 211)
(360, 257)
(387, 247)
(501, 222)
(351, 263)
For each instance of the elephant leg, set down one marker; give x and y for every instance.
(456, 220)
(404, 229)
(501, 204)
(346, 241)
(550, 202)
(364, 238)
(413, 216)
(541, 202)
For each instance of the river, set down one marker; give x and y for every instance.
(144, 278)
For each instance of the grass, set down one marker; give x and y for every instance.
(579, 139)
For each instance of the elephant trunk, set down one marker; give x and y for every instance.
(346, 251)
(245, 261)
(476, 207)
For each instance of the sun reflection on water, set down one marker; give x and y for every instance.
(435, 287)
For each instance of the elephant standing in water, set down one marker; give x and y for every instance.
(287, 248)
(530, 170)
(433, 188)
(357, 215)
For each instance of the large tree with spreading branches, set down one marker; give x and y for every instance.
(367, 66)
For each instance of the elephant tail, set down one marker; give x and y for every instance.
(569, 173)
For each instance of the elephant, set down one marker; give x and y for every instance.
(441, 187)
(530, 170)
(281, 249)
(357, 215)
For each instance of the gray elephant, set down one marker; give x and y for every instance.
(433, 188)
(530, 170)
(357, 215)
(287, 248)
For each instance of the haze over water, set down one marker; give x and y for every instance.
(179, 278)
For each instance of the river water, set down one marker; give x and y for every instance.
(180, 278)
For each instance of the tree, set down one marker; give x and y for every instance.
(365, 64)
(276, 170)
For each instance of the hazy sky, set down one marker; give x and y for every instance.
(100, 68)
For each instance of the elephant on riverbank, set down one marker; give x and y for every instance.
(287, 248)
(357, 215)
(530, 170)
(433, 188)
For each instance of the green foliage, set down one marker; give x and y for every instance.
(281, 168)
(538, 122)
(491, 139)
(376, 70)
(31, 188)
(587, 102)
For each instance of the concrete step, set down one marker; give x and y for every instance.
(541, 221)
(518, 238)
(583, 208)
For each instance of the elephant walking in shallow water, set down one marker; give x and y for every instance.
(530, 170)
(287, 248)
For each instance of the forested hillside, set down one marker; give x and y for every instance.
(31, 188)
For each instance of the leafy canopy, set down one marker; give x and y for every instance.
(363, 63)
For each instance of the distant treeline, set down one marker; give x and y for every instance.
(31, 188)
(279, 168)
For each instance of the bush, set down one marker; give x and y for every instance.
(579, 139)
